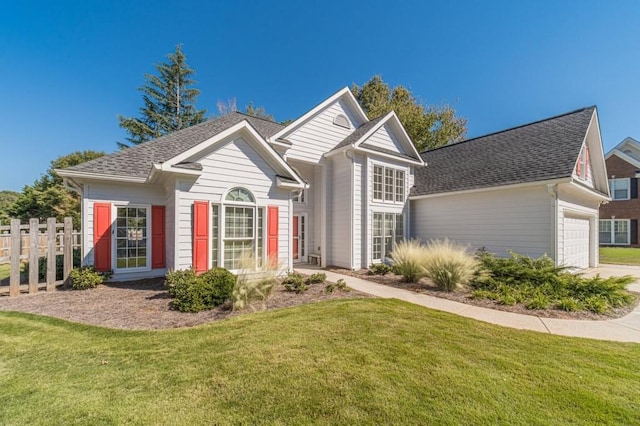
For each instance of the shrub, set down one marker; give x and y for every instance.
(408, 257)
(316, 278)
(448, 265)
(295, 282)
(194, 293)
(87, 277)
(539, 301)
(596, 304)
(339, 285)
(379, 269)
(569, 304)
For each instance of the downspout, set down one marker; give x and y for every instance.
(552, 189)
(351, 202)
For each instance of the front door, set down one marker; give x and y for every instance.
(298, 238)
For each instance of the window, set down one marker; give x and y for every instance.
(377, 182)
(614, 231)
(387, 230)
(237, 230)
(619, 188)
(583, 166)
(388, 184)
(300, 197)
(132, 242)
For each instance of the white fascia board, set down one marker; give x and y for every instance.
(283, 184)
(99, 176)
(590, 191)
(625, 141)
(408, 143)
(493, 188)
(393, 157)
(324, 104)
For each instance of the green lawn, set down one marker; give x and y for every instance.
(620, 255)
(369, 361)
(5, 269)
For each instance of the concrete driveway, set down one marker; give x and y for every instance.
(608, 270)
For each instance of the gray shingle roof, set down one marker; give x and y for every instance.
(137, 161)
(543, 150)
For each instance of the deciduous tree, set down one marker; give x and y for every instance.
(428, 126)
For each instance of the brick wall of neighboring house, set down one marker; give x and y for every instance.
(623, 209)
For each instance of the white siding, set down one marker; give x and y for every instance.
(116, 193)
(339, 207)
(359, 166)
(235, 164)
(386, 139)
(319, 135)
(517, 219)
(170, 225)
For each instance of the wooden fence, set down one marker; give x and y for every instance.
(28, 243)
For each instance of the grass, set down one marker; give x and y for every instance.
(620, 255)
(5, 271)
(367, 361)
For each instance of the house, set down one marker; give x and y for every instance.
(534, 189)
(336, 188)
(619, 218)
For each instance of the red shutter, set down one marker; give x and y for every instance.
(102, 236)
(272, 233)
(157, 237)
(579, 165)
(201, 236)
(586, 162)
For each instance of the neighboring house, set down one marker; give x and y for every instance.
(619, 218)
(533, 189)
(333, 187)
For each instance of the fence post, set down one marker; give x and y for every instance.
(51, 254)
(14, 274)
(33, 255)
(67, 248)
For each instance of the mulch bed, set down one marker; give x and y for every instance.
(425, 286)
(145, 305)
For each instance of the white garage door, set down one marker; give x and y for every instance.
(576, 242)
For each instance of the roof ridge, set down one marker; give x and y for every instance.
(512, 128)
(259, 118)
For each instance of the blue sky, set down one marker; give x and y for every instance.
(67, 69)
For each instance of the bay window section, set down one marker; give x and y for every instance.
(377, 183)
(387, 231)
(388, 184)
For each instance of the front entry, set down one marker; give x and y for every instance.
(299, 233)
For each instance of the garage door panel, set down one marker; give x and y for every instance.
(576, 242)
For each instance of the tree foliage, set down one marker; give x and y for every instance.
(169, 102)
(428, 126)
(7, 198)
(258, 111)
(48, 197)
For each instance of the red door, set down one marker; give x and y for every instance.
(296, 237)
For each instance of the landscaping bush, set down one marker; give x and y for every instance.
(538, 283)
(339, 285)
(87, 277)
(316, 278)
(194, 293)
(408, 257)
(295, 282)
(379, 269)
(448, 265)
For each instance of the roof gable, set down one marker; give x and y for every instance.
(137, 162)
(628, 150)
(539, 151)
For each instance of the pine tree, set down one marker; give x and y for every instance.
(169, 102)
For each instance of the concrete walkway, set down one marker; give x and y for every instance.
(625, 329)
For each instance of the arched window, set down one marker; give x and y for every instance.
(238, 228)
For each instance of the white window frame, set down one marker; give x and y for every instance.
(398, 193)
(114, 237)
(259, 252)
(396, 238)
(612, 187)
(612, 230)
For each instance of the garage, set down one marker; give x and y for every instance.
(576, 241)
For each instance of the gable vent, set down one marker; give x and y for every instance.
(342, 121)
